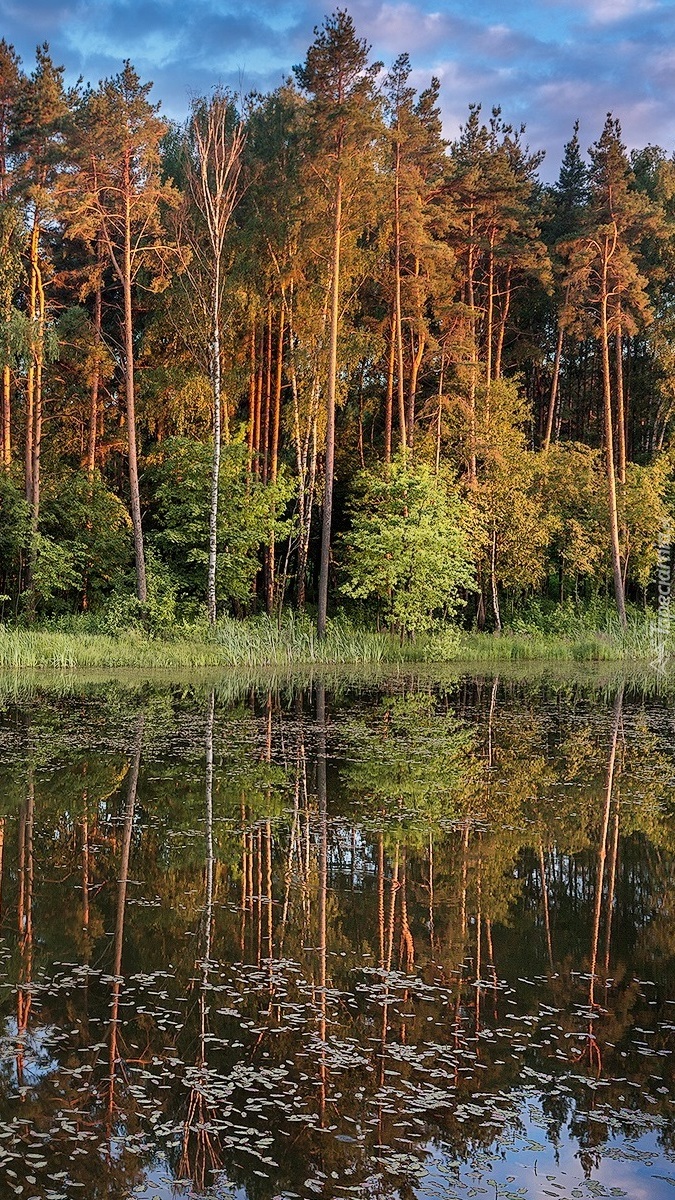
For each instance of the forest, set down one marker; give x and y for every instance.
(303, 352)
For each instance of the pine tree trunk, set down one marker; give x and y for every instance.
(417, 356)
(501, 333)
(389, 395)
(620, 412)
(251, 398)
(398, 322)
(554, 390)
(493, 582)
(609, 450)
(274, 459)
(474, 356)
(490, 311)
(95, 384)
(135, 497)
(330, 416)
(6, 418)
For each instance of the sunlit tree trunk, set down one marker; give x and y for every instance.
(330, 413)
(607, 251)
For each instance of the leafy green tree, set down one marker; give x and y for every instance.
(512, 532)
(14, 539)
(89, 525)
(247, 515)
(407, 551)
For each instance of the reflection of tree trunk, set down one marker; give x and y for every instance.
(432, 947)
(491, 717)
(479, 945)
(602, 847)
(259, 892)
(323, 883)
(85, 864)
(120, 912)
(465, 867)
(407, 951)
(614, 853)
(544, 899)
(2, 860)
(25, 923)
(200, 1157)
(392, 909)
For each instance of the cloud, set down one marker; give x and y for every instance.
(544, 65)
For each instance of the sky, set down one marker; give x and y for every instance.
(545, 63)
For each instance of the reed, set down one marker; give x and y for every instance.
(292, 642)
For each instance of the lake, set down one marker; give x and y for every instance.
(403, 936)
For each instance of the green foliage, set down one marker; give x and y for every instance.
(14, 534)
(55, 572)
(248, 514)
(407, 549)
(90, 527)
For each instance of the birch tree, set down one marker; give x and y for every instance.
(214, 175)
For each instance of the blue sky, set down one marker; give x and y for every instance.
(545, 63)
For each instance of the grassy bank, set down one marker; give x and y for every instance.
(261, 642)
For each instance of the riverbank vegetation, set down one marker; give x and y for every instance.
(304, 355)
(294, 642)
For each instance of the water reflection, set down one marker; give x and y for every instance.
(399, 941)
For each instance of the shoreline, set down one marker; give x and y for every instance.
(263, 643)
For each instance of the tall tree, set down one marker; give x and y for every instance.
(11, 81)
(217, 138)
(341, 115)
(569, 197)
(421, 257)
(603, 270)
(39, 147)
(119, 151)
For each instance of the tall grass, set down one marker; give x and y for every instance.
(609, 643)
(292, 642)
(259, 642)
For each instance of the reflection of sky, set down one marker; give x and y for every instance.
(38, 1042)
(526, 1167)
(635, 1169)
(546, 64)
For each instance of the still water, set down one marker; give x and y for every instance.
(398, 938)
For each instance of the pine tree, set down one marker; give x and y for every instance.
(120, 133)
(341, 115)
(40, 150)
(603, 272)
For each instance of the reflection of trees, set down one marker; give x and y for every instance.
(118, 943)
(25, 873)
(200, 1155)
(354, 912)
